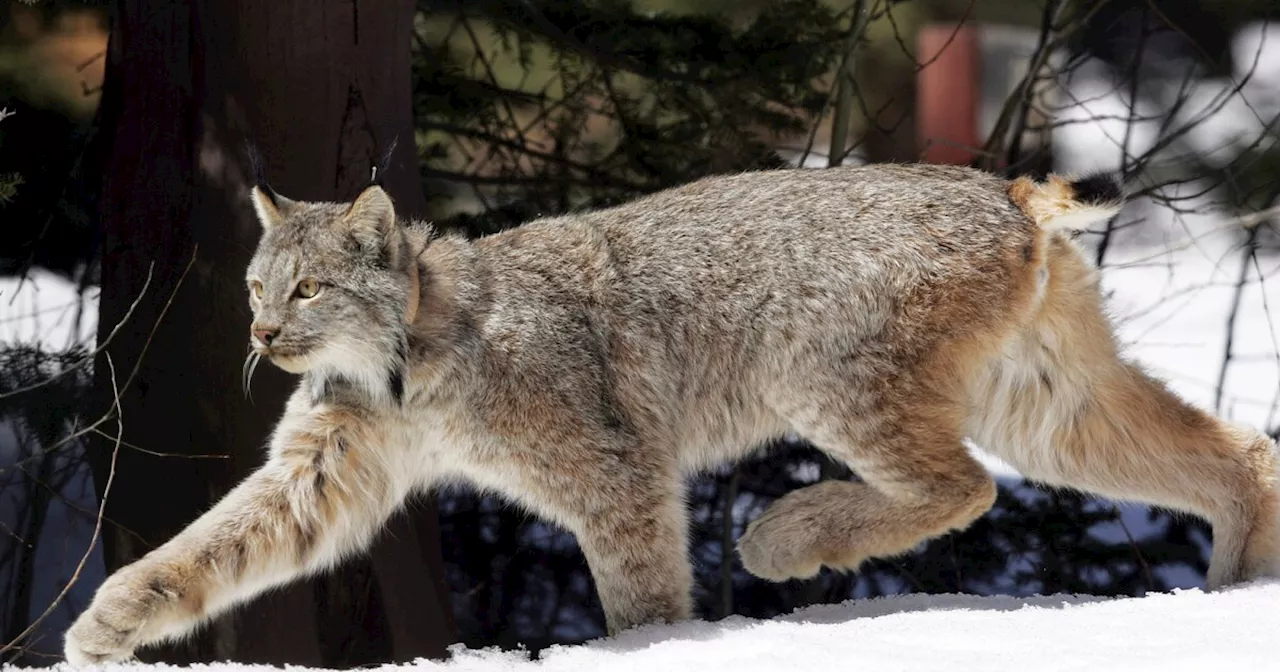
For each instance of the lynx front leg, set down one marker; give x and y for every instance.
(323, 494)
(918, 482)
(629, 518)
(639, 560)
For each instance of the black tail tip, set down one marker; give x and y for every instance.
(1102, 188)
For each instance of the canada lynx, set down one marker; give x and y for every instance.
(583, 365)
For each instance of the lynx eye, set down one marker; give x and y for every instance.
(257, 289)
(308, 288)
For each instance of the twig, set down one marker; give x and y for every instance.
(137, 364)
(9, 530)
(836, 152)
(97, 525)
(728, 498)
(1250, 248)
(93, 428)
(88, 359)
(995, 142)
(1109, 229)
(117, 390)
(1253, 219)
(153, 453)
(1137, 552)
(1275, 345)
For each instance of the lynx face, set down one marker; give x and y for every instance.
(328, 291)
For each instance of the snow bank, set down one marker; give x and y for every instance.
(1187, 630)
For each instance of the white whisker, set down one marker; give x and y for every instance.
(246, 373)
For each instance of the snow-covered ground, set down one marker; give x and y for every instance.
(1188, 630)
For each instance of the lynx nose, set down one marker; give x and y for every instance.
(265, 336)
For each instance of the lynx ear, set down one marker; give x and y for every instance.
(270, 206)
(371, 218)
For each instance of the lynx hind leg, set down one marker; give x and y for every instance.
(918, 482)
(1066, 410)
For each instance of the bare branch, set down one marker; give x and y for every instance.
(88, 359)
(97, 526)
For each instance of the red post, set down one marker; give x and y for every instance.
(947, 93)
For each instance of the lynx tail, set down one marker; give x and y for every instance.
(1061, 203)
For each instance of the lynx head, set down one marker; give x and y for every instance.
(333, 288)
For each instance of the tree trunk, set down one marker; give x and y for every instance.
(321, 88)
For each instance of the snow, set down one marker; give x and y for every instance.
(45, 309)
(1186, 630)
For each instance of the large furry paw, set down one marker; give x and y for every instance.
(766, 555)
(127, 604)
(786, 540)
(799, 534)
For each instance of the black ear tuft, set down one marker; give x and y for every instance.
(259, 169)
(384, 163)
